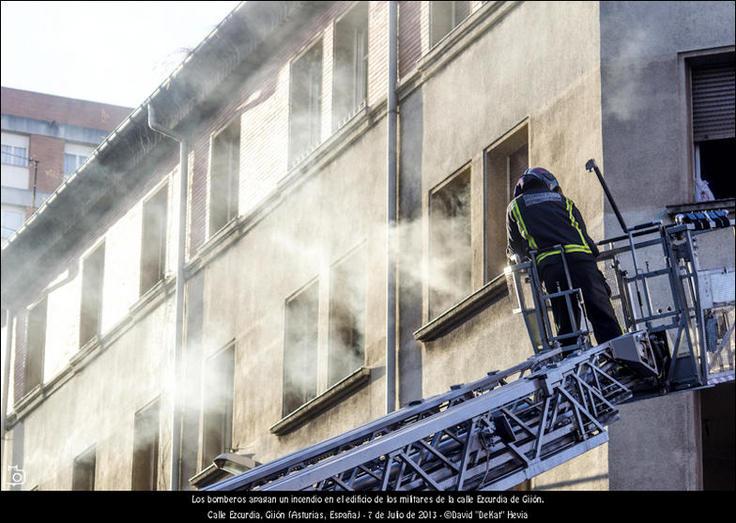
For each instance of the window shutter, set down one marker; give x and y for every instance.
(713, 102)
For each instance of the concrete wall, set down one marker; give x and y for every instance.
(551, 80)
(92, 400)
(246, 287)
(646, 161)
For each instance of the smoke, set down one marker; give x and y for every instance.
(624, 82)
(320, 269)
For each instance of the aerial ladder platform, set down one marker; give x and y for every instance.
(511, 425)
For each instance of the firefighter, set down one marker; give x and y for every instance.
(539, 218)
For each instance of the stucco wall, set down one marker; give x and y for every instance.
(551, 79)
(646, 163)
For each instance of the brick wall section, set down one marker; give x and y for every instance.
(19, 366)
(50, 155)
(62, 110)
(263, 103)
(410, 37)
(377, 51)
(72, 262)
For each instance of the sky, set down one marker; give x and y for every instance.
(111, 52)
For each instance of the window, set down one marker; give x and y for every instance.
(153, 249)
(218, 412)
(444, 17)
(91, 308)
(350, 74)
(11, 221)
(713, 86)
(14, 155)
(14, 150)
(450, 254)
(224, 176)
(347, 318)
(305, 103)
(74, 156)
(35, 346)
(300, 348)
(83, 472)
(506, 160)
(145, 448)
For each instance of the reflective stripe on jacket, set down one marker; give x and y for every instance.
(540, 220)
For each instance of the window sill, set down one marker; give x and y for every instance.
(208, 476)
(322, 402)
(220, 236)
(152, 296)
(463, 310)
(36, 394)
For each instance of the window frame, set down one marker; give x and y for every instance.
(685, 61)
(81, 464)
(296, 156)
(161, 190)
(94, 251)
(138, 419)
(347, 258)
(466, 169)
(208, 412)
(232, 201)
(312, 283)
(40, 351)
(505, 144)
(338, 120)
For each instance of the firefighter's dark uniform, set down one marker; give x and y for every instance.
(539, 220)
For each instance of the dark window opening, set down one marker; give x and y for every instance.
(300, 349)
(718, 437)
(83, 473)
(350, 74)
(347, 318)
(35, 346)
(714, 131)
(91, 308)
(145, 448)
(305, 103)
(450, 253)
(153, 248)
(505, 163)
(444, 17)
(714, 162)
(218, 412)
(224, 176)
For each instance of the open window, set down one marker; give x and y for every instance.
(93, 268)
(713, 83)
(84, 470)
(350, 72)
(444, 17)
(506, 161)
(218, 406)
(300, 348)
(35, 346)
(347, 318)
(450, 252)
(153, 247)
(305, 103)
(145, 448)
(224, 176)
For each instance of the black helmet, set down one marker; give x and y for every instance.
(535, 176)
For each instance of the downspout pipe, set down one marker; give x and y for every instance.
(391, 185)
(176, 417)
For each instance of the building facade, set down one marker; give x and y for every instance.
(45, 139)
(283, 109)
